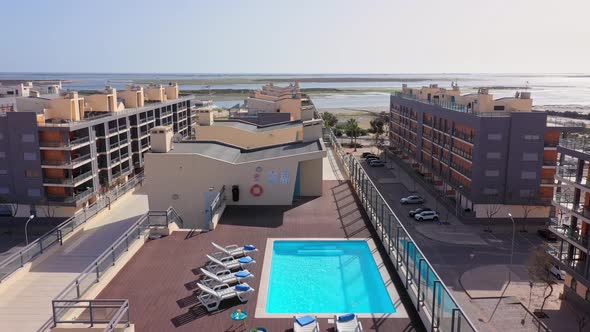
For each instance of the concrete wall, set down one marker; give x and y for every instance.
(132, 98)
(181, 181)
(249, 139)
(516, 211)
(311, 174)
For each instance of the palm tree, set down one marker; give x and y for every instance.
(352, 130)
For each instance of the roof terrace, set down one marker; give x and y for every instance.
(160, 281)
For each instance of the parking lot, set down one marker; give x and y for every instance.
(473, 264)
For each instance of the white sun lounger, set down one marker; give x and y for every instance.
(234, 250)
(352, 325)
(227, 276)
(217, 263)
(311, 327)
(211, 297)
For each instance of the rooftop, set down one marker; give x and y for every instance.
(248, 126)
(160, 280)
(236, 155)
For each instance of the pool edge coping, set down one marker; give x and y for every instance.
(260, 311)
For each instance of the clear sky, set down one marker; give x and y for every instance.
(302, 36)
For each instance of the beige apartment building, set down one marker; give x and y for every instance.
(276, 99)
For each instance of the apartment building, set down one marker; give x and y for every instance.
(276, 99)
(571, 223)
(65, 150)
(487, 154)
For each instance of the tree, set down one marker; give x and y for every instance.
(539, 269)
(352, 130)
(330, 119)
(528, 207)
(491, 209)
(48, 210)
(12, 206)
(377, 128)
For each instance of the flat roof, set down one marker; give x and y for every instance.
(248, 126)
(236, 155)
(169, 267)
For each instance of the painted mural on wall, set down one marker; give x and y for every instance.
(273, 177)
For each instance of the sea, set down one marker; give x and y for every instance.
(559, 92)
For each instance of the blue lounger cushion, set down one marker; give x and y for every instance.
(242, 274)
(245, 259)
(249, 247)
(346, 318)
(305, 320)
(242, 288)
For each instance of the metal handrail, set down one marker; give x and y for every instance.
(352, 159)
(56, 235)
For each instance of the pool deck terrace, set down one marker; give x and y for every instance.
(161, 278)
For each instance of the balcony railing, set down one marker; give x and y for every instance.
(581, 144)
(65, 162)
(69, 180)
(465, 154)
(77, 197)
(436, 102)
(566, 202)
(56, 235)
(64, 144)
(113, 130)
(463, 136)
(565, 230)
(461, 169)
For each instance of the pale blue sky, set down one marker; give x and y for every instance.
(303, 36)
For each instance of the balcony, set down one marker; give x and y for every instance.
(66, 162)
(570, 176)
(74, 198)
(566, 232)
(462, 153)
(435, 102)
(69, 181)
(63, 145)
(574, 265)
(145, 146)
(565, 202)
(551, 144)
(465, 137)
(580, 144)
(464, 171)
(113, 130)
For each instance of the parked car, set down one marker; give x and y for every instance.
(366, 154)
(369, 158)
(376, 163)
(557, 272)
(426, 215)
(418, 210)
(412, 199)
(547, 235)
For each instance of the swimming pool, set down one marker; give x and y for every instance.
(325, 277)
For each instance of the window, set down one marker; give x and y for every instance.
(3, 171)
(495, 137)
(4, 190)
(526, 193)
(32, 173)
(498, 107)
(34, 192)
(530, 156)
(28, 138)
(493, 155)
(490, 191)
(30, 156)
(527, 175)
(492, 172)
(531, 137)
(574, 285)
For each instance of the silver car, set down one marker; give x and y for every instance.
(426, 215)
(412, 199)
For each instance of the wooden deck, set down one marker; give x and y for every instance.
(160, 279)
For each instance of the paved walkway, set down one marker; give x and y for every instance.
(25, 299)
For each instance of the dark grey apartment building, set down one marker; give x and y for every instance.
(52, 160)
(477, 150)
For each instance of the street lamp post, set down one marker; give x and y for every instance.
(509, 268)
(26, 225)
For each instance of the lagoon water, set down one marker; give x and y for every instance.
(551, 91)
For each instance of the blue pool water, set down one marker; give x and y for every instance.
(325, 277)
